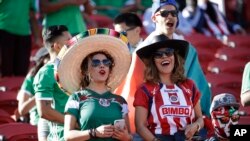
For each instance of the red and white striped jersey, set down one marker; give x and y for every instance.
(172, 106)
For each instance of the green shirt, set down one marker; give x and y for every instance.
(93, 110)
(27, 86)
(14, 16)
(46, 88)
(246, 79)
(113, 12)
(69, 16)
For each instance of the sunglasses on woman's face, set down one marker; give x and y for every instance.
(165, 13)
(160, 54)
(226, 119)
(105, 62)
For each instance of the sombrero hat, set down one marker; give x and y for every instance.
(160, 41)
(68, 62)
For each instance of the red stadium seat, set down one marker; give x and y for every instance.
(5, 117)
(12, 83)
(18, 132)
(219, 90)
(240, 40)
(8, 101)
(225, 80)
(232, 66)
(205, 56)
(204, 42)
(239, 53)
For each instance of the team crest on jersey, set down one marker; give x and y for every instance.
(104, 102)
(173, 98)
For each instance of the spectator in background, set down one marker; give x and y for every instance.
(131, 26)
(245, 87)
(50, 99)
(101, 60)
(26, 95)
(66, 12)
(206, 18)
(224, 112)
(183, 26)
(165, 90)
(114, 8)
(17, 20)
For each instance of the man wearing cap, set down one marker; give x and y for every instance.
(224, 112)
(165, 19)
(50, 99)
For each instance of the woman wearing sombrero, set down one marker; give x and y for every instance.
(167, 105)
(89, 71)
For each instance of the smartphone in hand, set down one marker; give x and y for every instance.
(119, 124)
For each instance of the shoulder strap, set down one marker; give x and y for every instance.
(150, 98)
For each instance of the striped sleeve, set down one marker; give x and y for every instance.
(72, 105)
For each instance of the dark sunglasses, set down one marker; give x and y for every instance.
(159, 54)
(125, 31)
(105, 62)
(226, 119)
(165, 13)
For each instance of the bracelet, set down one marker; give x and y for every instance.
(155, 139)
(92, 133)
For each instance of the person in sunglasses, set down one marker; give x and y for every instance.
(94, 65)
(131, 26)
(165, 24)
(167, 105)
(224, 112)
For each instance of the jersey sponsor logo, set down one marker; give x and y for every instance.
(171, 90)
(175, 110)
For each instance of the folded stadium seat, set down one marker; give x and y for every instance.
(239, 53)
(5, 117)
(202, 41)
(18, 132)
(12, 83)
(8, 101)
(102, 21)
(225, 80)
(230, 66)
(240, 40)
(215, 90)
(205, 56)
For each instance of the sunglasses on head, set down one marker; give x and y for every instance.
(165, 13)
(124, 32)
(105, 62)
(160, 54)
(226, 119)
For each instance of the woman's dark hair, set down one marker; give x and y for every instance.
(84, 67)
(151, 74)
(38, 65)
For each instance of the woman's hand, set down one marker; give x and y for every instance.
(122, 134)
(190, 130)
(104, 131)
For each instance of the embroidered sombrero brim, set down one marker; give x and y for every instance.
(69, 60)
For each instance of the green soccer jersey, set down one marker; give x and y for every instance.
(69, 16)
(28, 88)
(93, 110)
(46, 88)
(15, 15)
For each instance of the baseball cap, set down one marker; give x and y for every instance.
(223, 99)
(39, 54)
(160, 3)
